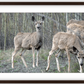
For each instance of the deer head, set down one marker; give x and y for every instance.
(38, 24)
(80, 57)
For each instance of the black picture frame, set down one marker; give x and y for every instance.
(42, 81)
(41, 3)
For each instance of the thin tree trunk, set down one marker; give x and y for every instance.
(76, 16)
(4, 31)
(23, 22)
(15, 16)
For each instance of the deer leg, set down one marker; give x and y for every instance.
(23, 51)
(57, 61)
(48, 60)
(37, 58)
(13, 55)
(68, 56)
(81, 70)
(33, 51)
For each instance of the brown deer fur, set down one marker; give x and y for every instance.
(28, 41)
(64, 41)
(76, 21)
(76, 27)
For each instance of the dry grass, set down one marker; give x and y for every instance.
(5, 63)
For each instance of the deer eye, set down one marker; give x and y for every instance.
(83, 57)
(78, 57)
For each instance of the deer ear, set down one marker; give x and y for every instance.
(43, 18)
(33, 18)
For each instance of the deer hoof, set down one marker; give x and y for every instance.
(47, 69)
(80, 71)
(33, 66)
(59, 70)
(37, 65)
(12, 67)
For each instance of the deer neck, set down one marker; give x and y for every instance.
(39, 31)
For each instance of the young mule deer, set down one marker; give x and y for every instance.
(29, 41)
(66, 41)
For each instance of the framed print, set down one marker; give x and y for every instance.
(30, 32)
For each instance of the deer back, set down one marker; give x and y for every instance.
(19, 38)
(77, 29)
(64, 40)
(76, 21)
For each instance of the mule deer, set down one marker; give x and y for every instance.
(66, 41)
(76, 27)
(28, 41)
(76, 21)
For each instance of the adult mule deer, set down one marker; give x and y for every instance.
(66, 41)
(29, 41)
(76, 27)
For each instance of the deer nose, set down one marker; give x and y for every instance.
(38, 27)
(81, 64)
